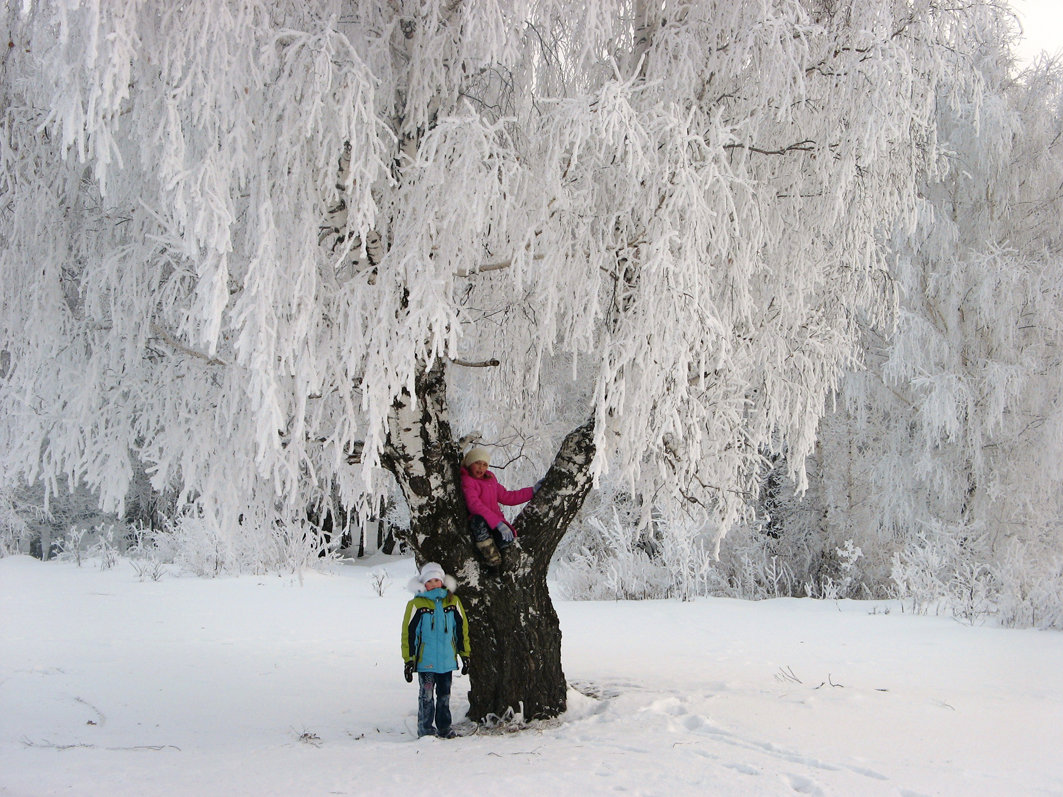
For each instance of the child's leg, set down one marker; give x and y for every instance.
(481, 535)
(478, 528)
(426, 682)
(443, 680)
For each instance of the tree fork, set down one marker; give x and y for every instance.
(514, 630)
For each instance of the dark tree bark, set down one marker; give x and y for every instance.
(514, 630)
(516, 636)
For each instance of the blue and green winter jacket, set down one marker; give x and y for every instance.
(434, 631)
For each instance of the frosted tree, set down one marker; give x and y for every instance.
(253, 244)
(950, 441)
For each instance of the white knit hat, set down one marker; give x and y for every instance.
(428, 572)
(431, 570)
(476, 454)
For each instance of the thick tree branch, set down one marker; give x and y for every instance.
(546, 518)
(173, 343)
(490, 267)
(492, 363)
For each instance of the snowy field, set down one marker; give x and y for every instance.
(113, 685)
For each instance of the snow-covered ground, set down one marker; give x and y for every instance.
(113, 685)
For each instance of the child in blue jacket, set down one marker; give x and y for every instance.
(435, 632)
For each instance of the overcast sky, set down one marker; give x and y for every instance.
(1042, 24)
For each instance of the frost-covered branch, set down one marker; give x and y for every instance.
(175, 344)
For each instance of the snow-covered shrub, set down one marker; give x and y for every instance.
(193, 545)
(690, 558)
(752, 569)
(1031, 588)
(71, 547)
(104, 547)
(1020, 584)
(941, 570)
(611, 560)
(840, 578)
(44, 516)
(103, 543)
(149, 568)
(797, 546)
(297, 546)
(972, 590)
(614, 560)
(380, 580)
(14, 533)
(197, 546)
(144, 554)
(921, 571)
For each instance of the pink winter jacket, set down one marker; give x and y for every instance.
(482, 497)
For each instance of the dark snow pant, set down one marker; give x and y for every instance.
(433, 703)
(481, 531)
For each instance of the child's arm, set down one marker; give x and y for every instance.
(409, 632)
(462, 630)
(514, 497)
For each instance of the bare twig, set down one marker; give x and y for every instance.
(787, 674)
(100, 719)
(519, 752)
(800, 146)
(84, 745)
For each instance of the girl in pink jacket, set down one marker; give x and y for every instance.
(483, 494)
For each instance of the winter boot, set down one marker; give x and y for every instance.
(489, 551)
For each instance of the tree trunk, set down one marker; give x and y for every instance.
(513, 628)
(516, 637)
(424, 458)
